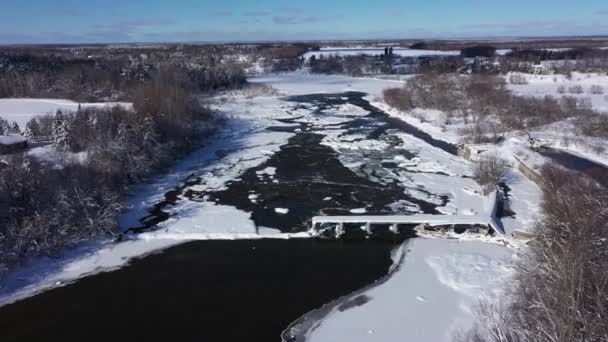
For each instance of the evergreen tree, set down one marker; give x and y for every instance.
(61, 136)
(4, 127)
(14, 129)
(150, 135)
(313, 60)
(32, 129)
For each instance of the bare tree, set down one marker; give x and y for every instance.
(489, 171)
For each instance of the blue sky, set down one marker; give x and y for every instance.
(72, 21)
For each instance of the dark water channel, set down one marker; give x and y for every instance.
(575, 163)
(201, 291)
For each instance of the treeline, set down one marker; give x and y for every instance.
(477, 60)
(488, 108)
(561, 286)
(349, 65)
(107, 76)
(47, 205)
(283, 57)
(556, 54)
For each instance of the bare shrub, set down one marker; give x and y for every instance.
(481, 132)
(160, 96)
(564, 296)
(489, 171)
(576, 89)
(561, 289)
(398, 98)
(51, 209)
(494, 323)
(569, 104)
(596, 90)
(598, 148)
(584, 103)
(594, 125)
(259, 90)
(561, 89)
(518, 79)
(483, 99)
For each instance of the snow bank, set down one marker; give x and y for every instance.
(430, 296)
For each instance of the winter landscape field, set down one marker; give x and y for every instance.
(291, 174)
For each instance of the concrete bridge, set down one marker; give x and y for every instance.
(395, 220)
(488, 220)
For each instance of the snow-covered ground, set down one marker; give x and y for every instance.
(542, 85)
(22, 110)
(563, 135)
(431, 296)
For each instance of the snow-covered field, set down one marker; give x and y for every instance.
(542, 85)
(563, 135)
(22, 110)
(431, 296)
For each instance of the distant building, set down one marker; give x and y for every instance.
(12, 144)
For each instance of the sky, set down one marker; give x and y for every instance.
(111, 21)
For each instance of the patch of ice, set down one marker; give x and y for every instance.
(448, 276)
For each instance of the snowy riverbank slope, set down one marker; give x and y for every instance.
(431, 297)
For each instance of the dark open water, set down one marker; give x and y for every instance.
(201, 291)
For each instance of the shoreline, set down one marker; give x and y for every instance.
(301, 327)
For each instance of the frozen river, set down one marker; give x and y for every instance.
(319, 149)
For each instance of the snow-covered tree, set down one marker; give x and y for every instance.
(14, 129)
(150, 135)
(32, 129)
(61, 136)
(4, 127)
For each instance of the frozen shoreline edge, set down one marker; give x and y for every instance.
(299, 330)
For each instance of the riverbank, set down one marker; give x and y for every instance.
(431, 296)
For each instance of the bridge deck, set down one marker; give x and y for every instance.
(488, 219)
(430, 220)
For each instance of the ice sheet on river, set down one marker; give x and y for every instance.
(430, 297)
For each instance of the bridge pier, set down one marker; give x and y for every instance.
(395, 228)
(368, 228)
(340, 229)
